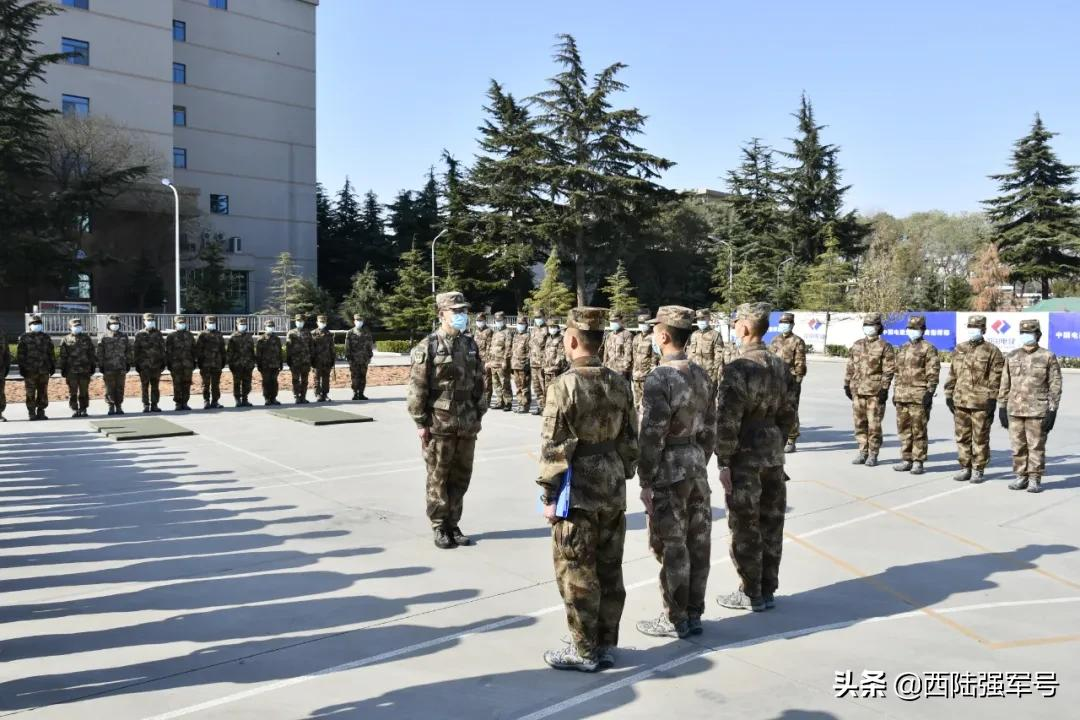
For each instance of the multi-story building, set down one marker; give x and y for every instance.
(224, 92)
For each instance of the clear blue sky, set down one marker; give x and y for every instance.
(924, 98)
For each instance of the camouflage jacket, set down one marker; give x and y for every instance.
(298, 348)
(446, 384)
(359, 346)
(210, 351)
(555, 362)
(538, 337)
(1031, 382)
(706, 348)
(644, 357)
(180, 350)
(240, 352)
(520, 352)
(5, 357)
(499, 349)
(148, 351)
(35, 354)
(792, 350)
(870, 367)
(918, 370)
(754, 411)
(588, 405)
(77, 355)
(483, 342)
(114, 352)
(678, 423)
(268, 353)
(323, 352)
(975, 375)
(618, 353)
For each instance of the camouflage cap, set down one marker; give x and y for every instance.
(675, 316)
(211, 318)
(74, 321)
(299, 316)
(587, 318)
(270, 324)
(976, 321)
(754, 312)
(552, 322)
(114, 318)
(148, 316)
(539, 313)
(643, 318)
(357, 316)
(450, 301)
(872, 319)
(787, 317)
(615, 317)
(179, 318)
(1030, 325)
(500, 315)
(480, 317)
(321, 318)
(916, 322)
(703, 314)
(35, 318)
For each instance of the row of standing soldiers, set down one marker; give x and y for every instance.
(181, 352)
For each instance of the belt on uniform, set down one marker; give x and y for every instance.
(677, 441)
(586, 449)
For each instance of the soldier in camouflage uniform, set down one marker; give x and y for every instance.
(446, 401)
(482, 335)
(323, 357)
(114, 359)
(148, 350)
(870, 368)
(180, 359)
(589, 429)
(791, 348)
(268, 360)
(5, 368)
(519, 365)
(618, 349)
(359, 348)
(298, 356)
(77, 364)
(555, 362)
(37, 363)
(706, 347)
(1028, 400)
(210, 359)
(498, 362)
(538, 338)
(754, 417)
(644, 359)
(918, 369)
(971, 395)
(240, 353)
(676, 439)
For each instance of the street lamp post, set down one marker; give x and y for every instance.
(435, 240)
(176, 230)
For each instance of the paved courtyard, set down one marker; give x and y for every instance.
(264, 568)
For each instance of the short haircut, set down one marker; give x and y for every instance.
(591, 340)
(679, 336)
(758, 326)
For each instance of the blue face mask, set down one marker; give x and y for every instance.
(655, 347)
(460, 321)
(1028, 339)
(784, 328)
(914, 334)
(616, 326)
(974, 334)
(76, 330)
(538, 322)
(522, 327)
(703, 325)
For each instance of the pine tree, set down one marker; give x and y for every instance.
(208, 290)
(283, 277)
(987, 277)
(364, 298)
(340, 247)
(308, 298)
(553, 296)
(826, 280)
(410, 305)
(1036, 218)
(376, 248)
(620, 293)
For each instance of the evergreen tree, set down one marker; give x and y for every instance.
(364, 298)
(1036, 218)
(207, 288)
(410, 305)
(620, 293)
(341, 249)
(403, 222)
(987, 277)
(283, 277)
(376, 248)
(146, 287)
(826, 280)
(553, 296)
(306, 297)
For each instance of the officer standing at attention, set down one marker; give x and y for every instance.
(754, 417)
(268, 360)
(298, 355)
(791, 348)
(151, 358)
(359, 348)
(706, 347)
(520, 352)
(589, 438)
(499, 364)
(538, 338)
(5, 368)
(644, 359)
(918, 369)
(676, 439)
(555, 362)
(323, 357)
(180, 357)
(446, 401)
(240, 351)
(1028, 400)
(37, 363)
(77, 364)
(870, 368)
(971, 396)
(210, 359)
(618, 349)
(114, 359)
(482, 335)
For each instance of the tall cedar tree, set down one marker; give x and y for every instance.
(602, 186)
(552, 296)
(988, 274)
(341, 254)
(283, 276)
(324, 231)
(207, 287)
(620, 294)
(826, 280)
(815, 196)
(410, 305)
(414, 216)
(1036, 219)
(377, 248)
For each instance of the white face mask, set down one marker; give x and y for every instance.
(500, 325)
(358, 324)
(480, 324)
(269, 331)
(241, 328)
(150, 324)
(703, 324)
(522, 327)
(322, 326)
(615, 327)
(36, 327)
(538, 322)
(553, 331)
(181, 326)
(76, 330)
(785, 328)
(114, 327)
(974, 334)
(299, 324)
(869, 330)
(211, 326)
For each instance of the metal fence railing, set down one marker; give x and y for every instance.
(97, 323)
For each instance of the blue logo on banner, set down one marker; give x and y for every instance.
(940, 329)
(774, 320)
(1064, 336)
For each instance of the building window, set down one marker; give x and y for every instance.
(179, 31)
(81, 4)
(179, 116)
(74, 105)
(219, 204)
(236, 244)
(79, 287)
(219, 4)
(179, 73)
(179, 157)
(237, 290)
(77, 51)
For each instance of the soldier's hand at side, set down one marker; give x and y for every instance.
(646, 499)
(425, 436)
(928, 400)
(1003, 416)
(725, 479)
(883, 395)
(549, 514)
(949, 403)
(1049, 420)
(847, 391)
(991, 407)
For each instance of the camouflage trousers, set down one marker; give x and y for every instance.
(269, 379)
(521, 389)
(796, 396)
(1028, 445)
(501, 395)
(538, 387)
(78, 390)
(181, 380)
(149, 382)
(449, 460)
(587, 548)
(487, 385)
(639, 389)
(358, 375)
(972, 429)
(299, 381)
(680, 528)
(37, 392)
(756, 508)
(322, 380)
(211, 385)
(911, 420)
(868, 413)
(241, 379)
(115, 385)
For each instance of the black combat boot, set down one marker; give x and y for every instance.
(977, 477)
(443, 539)
(146, 408)
(459, 537)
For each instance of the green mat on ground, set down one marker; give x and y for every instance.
(142, 429)
(319, 416)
